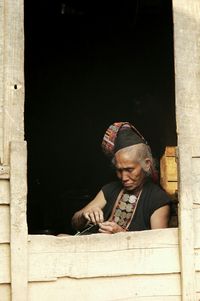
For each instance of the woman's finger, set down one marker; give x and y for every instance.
(97, 216)
(86, 216)
(104, 231)
(101, 216)
(108, 228)
(92, 218)
(112, 224)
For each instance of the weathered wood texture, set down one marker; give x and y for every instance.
(125, 266)
(12, 74)
(196, 219)
(4, 192)
(148, 252)
(196, 180)
(5, 223)
(198, 280)
(152, 288)
(187, 70)
(18, 225)
(5, 294)
(165, 238)
(186, 228)
(4, 172)
(1, 76)
(4, 263)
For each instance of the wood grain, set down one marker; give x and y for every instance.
(5, 292)
(148, 252)
(5, 223)
(148, 288)
(13, 75)
(4, 263)
(4, 192)
(186, 17)
(18, 224)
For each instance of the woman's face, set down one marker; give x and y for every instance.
(129, 171)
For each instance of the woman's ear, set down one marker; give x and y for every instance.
(147, 164)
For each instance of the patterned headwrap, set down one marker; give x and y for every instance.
(120, 135)
(123, 134)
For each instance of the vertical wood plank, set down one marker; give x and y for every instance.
(18, 227)
(186, 229)
(1, 75)
(4, 192)
(5, 223)
(187, 83)
(13, 75)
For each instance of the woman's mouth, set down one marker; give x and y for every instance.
(128, 185)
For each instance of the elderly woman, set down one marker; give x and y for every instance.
(134, 202)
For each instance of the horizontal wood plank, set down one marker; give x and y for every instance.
(4, 172)
(197, 259)
(5, 294)
(100, 242)
(4, 263)
(48, 265)
(5, 223)
(138, 288)
(196, 220)
(102, 255)
(157, 298)
(4, 192)
(198, 282)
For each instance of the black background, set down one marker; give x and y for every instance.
(87, 65)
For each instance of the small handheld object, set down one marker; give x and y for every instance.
(91, 229)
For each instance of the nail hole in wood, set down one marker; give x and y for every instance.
(15, 87)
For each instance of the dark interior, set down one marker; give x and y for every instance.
(87, 65)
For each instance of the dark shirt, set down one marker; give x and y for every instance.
(151, 199)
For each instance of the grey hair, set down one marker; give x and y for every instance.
(139, 152)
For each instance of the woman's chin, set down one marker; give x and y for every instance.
(130, 187)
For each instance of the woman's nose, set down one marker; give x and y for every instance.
(124, 175)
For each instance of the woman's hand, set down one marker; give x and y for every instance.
(110, 228)
(94, 215)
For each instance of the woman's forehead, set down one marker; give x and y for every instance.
(126, 157)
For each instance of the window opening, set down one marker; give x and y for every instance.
(88, 64)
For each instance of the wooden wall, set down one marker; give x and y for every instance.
(187, 81)
(152, 265)
(132, 266)
(4, 183)
(11, 129)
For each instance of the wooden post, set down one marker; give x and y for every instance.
(13, 74)
(187, 70)
(18, 226)
(1, 75)
(13, 154)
